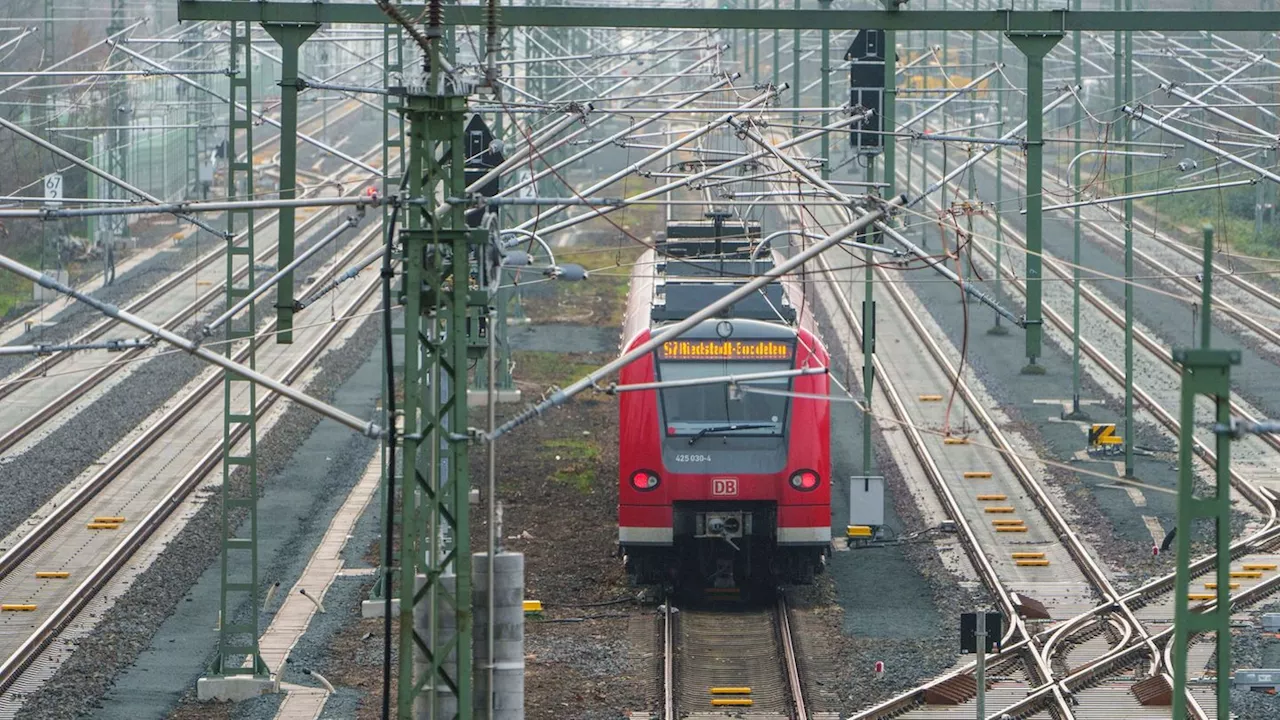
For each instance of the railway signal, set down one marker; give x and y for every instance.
(866, 88)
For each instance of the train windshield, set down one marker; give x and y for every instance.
(713, 407)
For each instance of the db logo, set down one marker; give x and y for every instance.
(724, 486)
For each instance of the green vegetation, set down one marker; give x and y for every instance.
(549, 368)
(575, 459)
(24, 246)
(1229, 211)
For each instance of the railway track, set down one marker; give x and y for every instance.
(136, 484)
(1154, 602)
(263, 146)
(962, 479)
(731, 663)
(79, 373)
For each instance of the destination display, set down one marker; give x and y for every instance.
(725, 350)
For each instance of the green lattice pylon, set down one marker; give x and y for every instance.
(1208, 373)
(238, 602)
(443, 332)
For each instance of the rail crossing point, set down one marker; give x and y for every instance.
(52, 574)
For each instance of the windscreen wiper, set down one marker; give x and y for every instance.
(727, 428)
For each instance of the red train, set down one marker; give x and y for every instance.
(722, 484)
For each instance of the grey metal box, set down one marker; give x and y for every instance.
(1271, 622)
(866, 500)
(1256, 678)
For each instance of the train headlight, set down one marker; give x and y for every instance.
(644, 480)
(805, 480)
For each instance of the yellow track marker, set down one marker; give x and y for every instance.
(733, 702)
(930, 398)
(1007, 521)
(103, 526)
(1258, 566)
(858, 531)
(977, 474)
(533, 606)
(953, 440)
(1032, 563)
(1026, 555)
(1245, 573)
(1201, 596)
(52, 574)
(17, 607)
(993, 497)
(1012, 528)
(730, 691)
(109, 519)
(1214, 585)
(998, 509)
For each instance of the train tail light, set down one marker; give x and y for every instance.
(805, 480)
(644, 480)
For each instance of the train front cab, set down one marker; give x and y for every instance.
(722, 487)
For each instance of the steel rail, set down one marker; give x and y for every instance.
(28, 543)
(972, 547)
(12, 667)
(37, 370)
(1261, 501)
(1074, 545)
(262, 146)
(99, 374)
(1202, 450)
(668, 662)
(789, 659)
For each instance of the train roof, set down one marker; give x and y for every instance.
(700, 262)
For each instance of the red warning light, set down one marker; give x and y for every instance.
(879, 668)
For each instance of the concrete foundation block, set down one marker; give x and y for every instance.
(478, 398)
(375, 608)
(234, 688)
